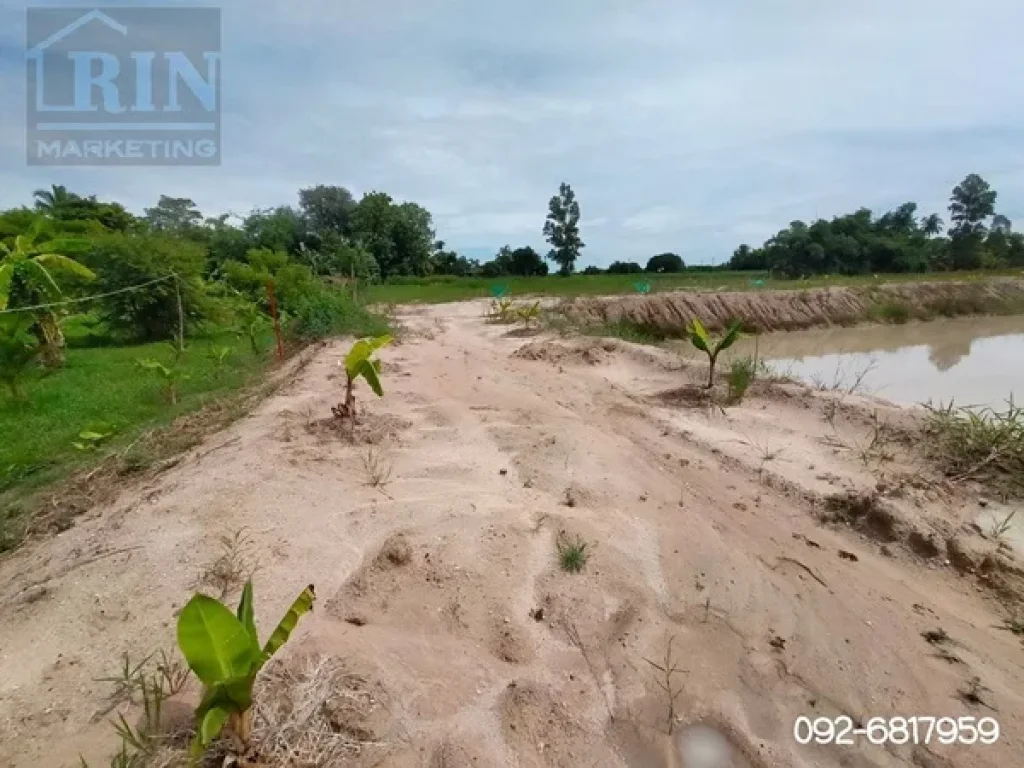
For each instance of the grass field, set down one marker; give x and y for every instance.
(103, 390)
(438, 290)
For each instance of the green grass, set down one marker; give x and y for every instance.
(572, 554)
(104, 387)
(436, 290)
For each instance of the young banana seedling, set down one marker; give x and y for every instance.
(223, 650)
(360, 363)
(713, 347)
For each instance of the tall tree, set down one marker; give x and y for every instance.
(973, 201)
(400, 237)
(562, 229)
(327, 209)
(173, 214)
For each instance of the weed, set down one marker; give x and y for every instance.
(667, 669)
(741, 375)
(1000, 527)
(19, 352)
(890, 312)
(877, 448)
(977, 443)
(831, 410)
(572, 553)
(233, 567)
(151, 685)
(377, 467)
(219, 356)
(713, 347)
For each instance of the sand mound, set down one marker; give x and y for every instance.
(589, 352)
(764, 311)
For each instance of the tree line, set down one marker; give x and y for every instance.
(897, 241)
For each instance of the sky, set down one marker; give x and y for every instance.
(685, 126)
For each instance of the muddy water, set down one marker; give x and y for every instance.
(971, 361)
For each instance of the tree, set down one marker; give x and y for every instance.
(592, 270)
(279, 229)
(562, 229)
(173, 214)
(149, 314)
(327, 209)
(971, 203)
(26, 279)
(624, 268)
(931, 225)
(51, 200)
(400, 237)
(665, 262)
(1001, 224)
(526, 262)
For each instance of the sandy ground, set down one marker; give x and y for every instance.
(441, 594)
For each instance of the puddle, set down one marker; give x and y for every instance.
(972, 361)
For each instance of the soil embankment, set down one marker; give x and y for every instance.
(745, 566)
(670, 313)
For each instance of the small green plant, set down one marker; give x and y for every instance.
(170, 376)
(502, 310)
(219, 356)
(253, 322)
(19, 351)
(528, 313)
(712, 347)
(1002, 526)
(741, 375)
(361, 363)
(893, 312)
(92, 438)
(572, 554)
(222, 649)
(978, 444)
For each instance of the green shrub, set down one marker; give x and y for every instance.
(332, 313)
(150, 313)
(742, 373)
(892, 312)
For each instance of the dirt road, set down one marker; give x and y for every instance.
(454, 636)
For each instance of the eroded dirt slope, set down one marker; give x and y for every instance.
(440, 595)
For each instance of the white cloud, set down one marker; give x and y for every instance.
(682, 126)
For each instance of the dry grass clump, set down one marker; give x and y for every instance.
(314, 711)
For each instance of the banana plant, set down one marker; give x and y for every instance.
(528, 313)
(169, 375)
(28, 266)
(502, 309)
(223, 650)
(713, 347)
(361, 363)
(18, 351)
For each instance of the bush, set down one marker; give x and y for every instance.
(741, 375)
(665, 262)
(894, 312)
(331, 313)
(624, 268)
(150, 313)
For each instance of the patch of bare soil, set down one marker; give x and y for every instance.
(744, 565)
(789, 310)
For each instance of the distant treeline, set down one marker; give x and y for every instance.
(898, 241)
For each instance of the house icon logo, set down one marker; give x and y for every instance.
(123, 86)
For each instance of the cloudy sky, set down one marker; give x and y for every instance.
(682, 125)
